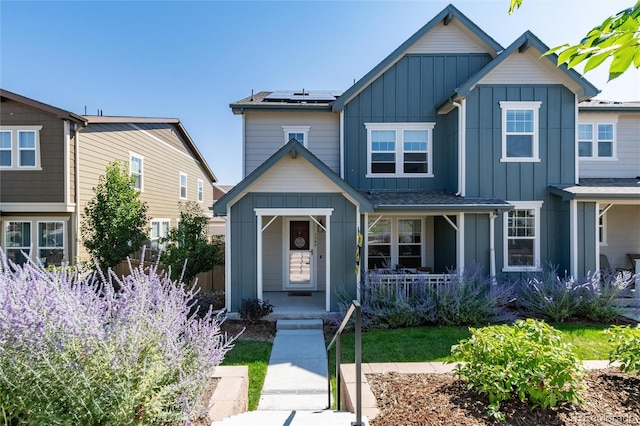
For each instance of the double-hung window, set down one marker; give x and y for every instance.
(200, 191)
(596, 140)
(135, 168)
(399, 149)
(51, 242)
(522, 236)
(17, 241)
(20, 147)
(299, 133)
(520, 131)
(393, 242)
(183, 186)
(159, 230)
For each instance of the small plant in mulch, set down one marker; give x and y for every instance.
(254, 309)
(627, 347)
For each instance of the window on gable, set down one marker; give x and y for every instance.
(135, 167)
(399, 149)
(200, 191)
(299, 133)
(19, 147)
(520, 131)
(596, 140)
(522, 237)
(183, 185)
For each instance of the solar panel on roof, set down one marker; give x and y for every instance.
(300, 96)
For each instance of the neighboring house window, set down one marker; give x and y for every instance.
(602, 228)
(18, 240)
(200, 191)
(6, 150)
(394, 242)
(522, 237)
(51, 242)
(20, 147)
(159, 230)
(298, 133)
(136, 170)
(520, 131)
(596, 140)
(399, 149)
(183, 185)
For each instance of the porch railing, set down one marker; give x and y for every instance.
(404, 285)
(354, 308)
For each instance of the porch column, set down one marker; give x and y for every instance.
(573, 236)
(227, 261)
(460, 239)
(259, 258)
(636, 293)
(492, 246)
(327, 263)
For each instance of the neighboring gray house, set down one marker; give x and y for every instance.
(453, 150)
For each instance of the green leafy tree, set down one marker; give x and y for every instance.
(617, 37)
(188, 250)
(115, 219)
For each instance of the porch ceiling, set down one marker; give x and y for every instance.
(436, 201)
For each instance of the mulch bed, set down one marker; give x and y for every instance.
(611, 398)
(260, 330)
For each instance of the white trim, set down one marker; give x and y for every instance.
(186, 186)
(341, 137)
(535, 148)
(573, 250)
(461, 247)
(293, 212)
(286, 229)
(327, 256)
(244, 148)
(38, 207)
(259, 278)
(133, 155)
(64, 237)
(399, 129)
(77, 193)
(227, 260)
(67, 171)
(15, 147)
(602, 215)
(34, 221)
(576, 160)
(492, 245)
(297, 129)
(358, 275)
(522, 205)
(200, 189)
(595, 124)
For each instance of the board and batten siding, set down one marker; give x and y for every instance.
(46, 185)
(100, 144)
(244, 242)
(407, 92)
(264, 135)
(626, 164)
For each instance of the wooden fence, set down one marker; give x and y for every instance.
(209, 282)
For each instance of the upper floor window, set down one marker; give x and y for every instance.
(299, 133)
(135, 167)
(520, 131)
(522, 236)
(183, 185)
(20, 147)
(200, 191)
(596, 140)
(399, 149)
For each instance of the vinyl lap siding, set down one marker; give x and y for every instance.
(621, 237)
(264, 136)
(627, 135)
(441, 39)
(293, 175)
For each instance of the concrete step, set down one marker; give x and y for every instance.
(299, 324)
(291, 418)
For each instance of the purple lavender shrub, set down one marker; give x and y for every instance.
(74, 351)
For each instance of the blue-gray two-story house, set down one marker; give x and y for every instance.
(453, 150)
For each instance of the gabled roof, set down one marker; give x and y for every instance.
(436, 200)
(104, 119)
(600, 188)
(445, 16)
(60, 113)
(521, 44)
(293, 148)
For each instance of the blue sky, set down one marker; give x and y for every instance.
(190, 59)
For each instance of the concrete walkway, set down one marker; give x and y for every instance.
(297, 373)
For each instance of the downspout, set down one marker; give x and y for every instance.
(462, 151)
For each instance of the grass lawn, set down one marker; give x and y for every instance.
(255, 354)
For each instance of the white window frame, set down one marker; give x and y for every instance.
(37, 236)
(5, 242)
(536, 206)
(16, 150)
(133, 155)
(297, 129)
(394, 243)
(8, 149)
(186, 186)
(535, 134)
(595, 155)
(399, 129)
(200, 191)
(161, 234)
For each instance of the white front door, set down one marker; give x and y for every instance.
(299, 258)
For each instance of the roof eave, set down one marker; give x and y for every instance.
(239, 109)
(467, 208)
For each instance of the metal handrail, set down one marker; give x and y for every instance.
(355, 307)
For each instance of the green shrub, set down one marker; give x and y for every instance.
(527, 360)
(254, 309)
(627, 347)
